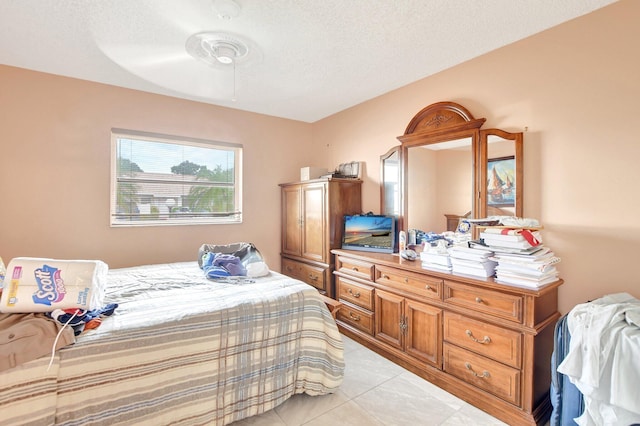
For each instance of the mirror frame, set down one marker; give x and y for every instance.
(445, 121)
(398, 178)
(517, 138)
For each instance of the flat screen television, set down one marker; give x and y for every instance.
(370, 233)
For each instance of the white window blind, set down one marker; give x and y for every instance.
(168, 180)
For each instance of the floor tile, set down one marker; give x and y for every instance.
(347, 414)
(402, 401)
(350, 344)
(364, 370)
(451, 400)
(375, 392)
(302, 408)
(470, 415)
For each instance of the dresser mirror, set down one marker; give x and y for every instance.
(445, 160)
(440, 181)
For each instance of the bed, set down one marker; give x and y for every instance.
(181, 349)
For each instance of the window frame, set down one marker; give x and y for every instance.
(169, 219)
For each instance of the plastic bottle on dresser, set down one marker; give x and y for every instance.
(402, 240)
(411, 237)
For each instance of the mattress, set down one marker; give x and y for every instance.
(182, 349)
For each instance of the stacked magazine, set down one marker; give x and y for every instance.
(470, 261)
(521, 257)
(529, 270)
(436, 260)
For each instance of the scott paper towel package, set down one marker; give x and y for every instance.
(43, 285)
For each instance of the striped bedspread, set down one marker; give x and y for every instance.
(183, 350)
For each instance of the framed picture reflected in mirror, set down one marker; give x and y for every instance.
(501, 182)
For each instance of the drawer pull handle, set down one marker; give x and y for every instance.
(386, 277)
(484, 341)
(406, 280)
(427, 287)
(485, 374)
(354, 268)
(356, 294)
(354, 317)
(479, 300)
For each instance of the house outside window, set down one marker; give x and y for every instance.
(170, 180)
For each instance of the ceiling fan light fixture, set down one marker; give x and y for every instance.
(225, 55)
(216, 48)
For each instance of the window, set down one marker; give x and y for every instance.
(167, 180)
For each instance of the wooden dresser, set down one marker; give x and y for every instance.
(312, 216)
(487, 343)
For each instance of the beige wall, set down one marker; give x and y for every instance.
(575, 88)
(55, 163)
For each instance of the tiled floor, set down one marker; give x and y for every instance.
(375, 391)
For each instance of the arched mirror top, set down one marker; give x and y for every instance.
(439, 122)
(449, 167)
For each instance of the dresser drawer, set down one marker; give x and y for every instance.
(310, 274)
(314, 275)
(488, 375)
(415, 283)
(290, 268)
(355, 268)
(355, 293)
(356, 317)
(489, 340)
(502, 305)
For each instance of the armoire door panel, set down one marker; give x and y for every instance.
(291, 221)
(314, 223)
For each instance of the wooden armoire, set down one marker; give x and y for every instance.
(312, 225)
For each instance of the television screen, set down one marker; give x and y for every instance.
(369, 233)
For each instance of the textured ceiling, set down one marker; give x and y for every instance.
(307, 59)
